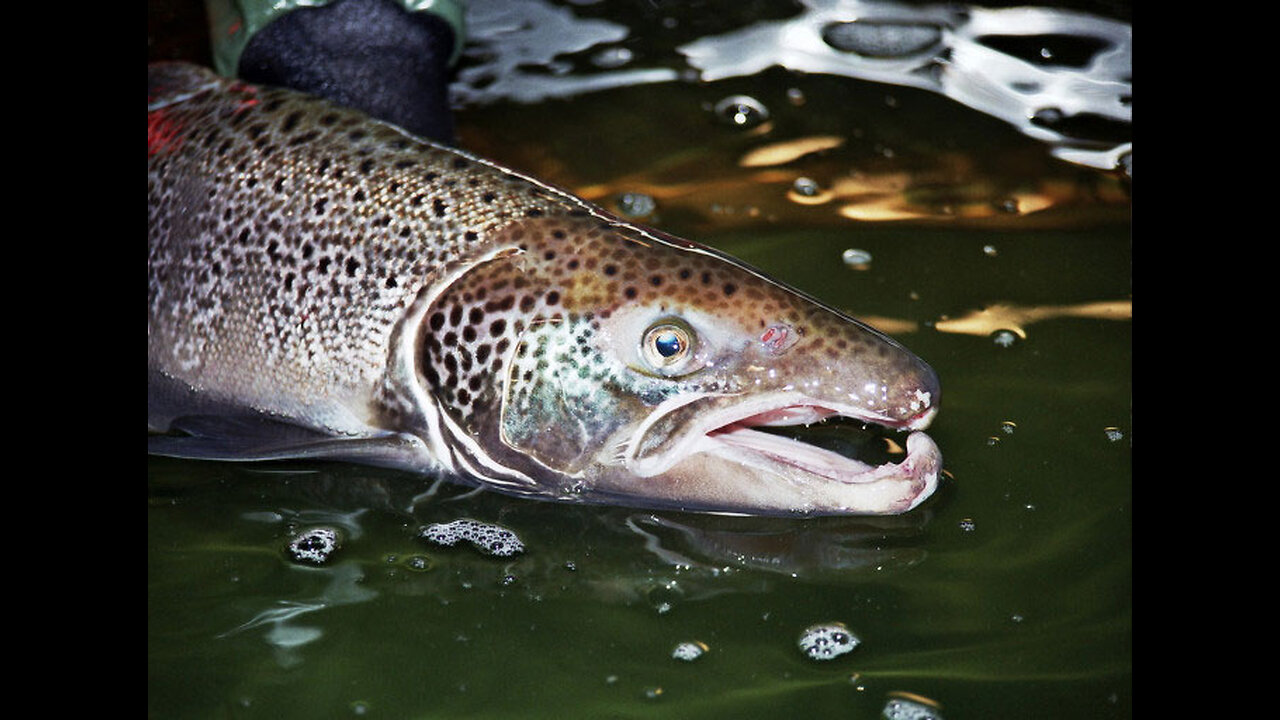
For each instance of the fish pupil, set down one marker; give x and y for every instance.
(668, 344)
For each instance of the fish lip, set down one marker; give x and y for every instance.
(828, 482)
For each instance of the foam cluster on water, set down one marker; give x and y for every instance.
(825, 641)
(489, 539)
(314, 545)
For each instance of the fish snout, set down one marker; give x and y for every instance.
(916, 392)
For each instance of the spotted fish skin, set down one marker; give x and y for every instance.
(324, 285)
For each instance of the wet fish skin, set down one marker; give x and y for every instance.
(324, 285)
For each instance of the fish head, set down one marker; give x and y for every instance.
(599, 361)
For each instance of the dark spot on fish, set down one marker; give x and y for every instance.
(403, 164)
(655, 280)
(356, 135)
(476, 316)
(437, 320)
(685, 273)
(533, 212)
(482, 355)
(573, 264)
(549, 255)
(320, 204)
(497, 327)
(366, 166)
(706, 278)
(328, 119)
(459, 163)
(455, 315)
(630, 293)
(352, 267)
(488, 197)
(610, 269)
(553, 297)
(304, 138)
(730, 289)
(470, 236)
(469, 333)
(526, 303)
(390, 283)
(439, 207)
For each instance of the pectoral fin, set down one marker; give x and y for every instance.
(255, 437)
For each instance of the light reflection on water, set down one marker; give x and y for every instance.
(1047, 71)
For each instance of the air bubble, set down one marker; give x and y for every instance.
(856, 259)
(610, 58)
(1004, 338)
(826, 641)
(689, 651)
(910, 708)
(636, 205)
(806, 187)
(1114, 434)
(807, 191)
(741, 111)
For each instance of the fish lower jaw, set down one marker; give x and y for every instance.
(782, 474)
(843, 481)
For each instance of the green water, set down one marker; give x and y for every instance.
(1007, 595)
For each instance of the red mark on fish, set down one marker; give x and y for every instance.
(163, 133)
(777, 338)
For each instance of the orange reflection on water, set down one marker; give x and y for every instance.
(1014, 318)
(780, 153)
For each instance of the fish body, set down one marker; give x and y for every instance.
(324, 285)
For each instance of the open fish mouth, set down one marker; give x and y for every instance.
(804, 476)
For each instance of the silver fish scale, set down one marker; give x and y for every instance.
(288, 236)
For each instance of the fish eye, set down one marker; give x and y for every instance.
(666, 345)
